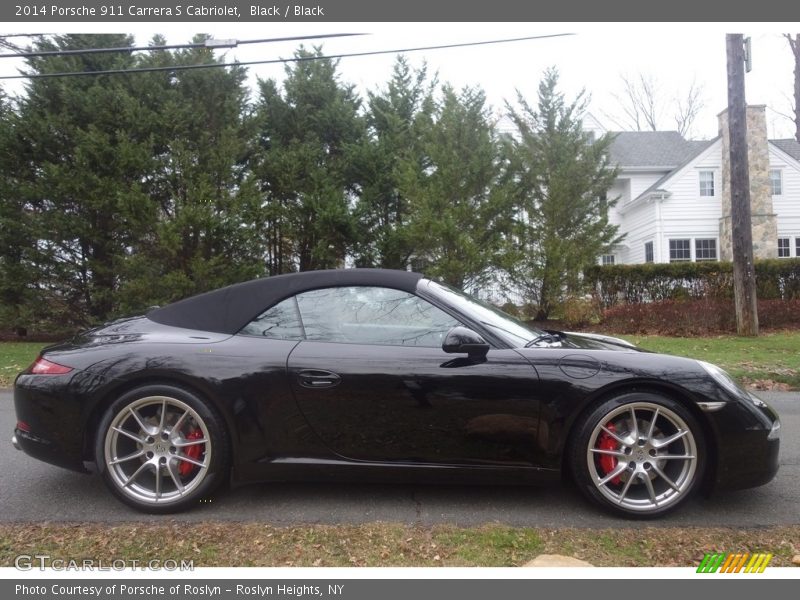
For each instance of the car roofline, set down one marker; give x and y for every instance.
(228, 309)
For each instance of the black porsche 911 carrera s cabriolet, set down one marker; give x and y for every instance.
(367, 374)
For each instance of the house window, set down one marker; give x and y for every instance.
(775, 182)
(706, 183)
(607, 259)
(797, 246)
(680, 250)
(602, 200)
(705, 249)
(648, 252)
(784, 251)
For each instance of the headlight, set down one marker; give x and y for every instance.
(725, 380)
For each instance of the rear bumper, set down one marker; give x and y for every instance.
(46, 451)
(54, 421)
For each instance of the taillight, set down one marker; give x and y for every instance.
(42, 366)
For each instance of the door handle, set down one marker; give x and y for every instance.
(318, 378)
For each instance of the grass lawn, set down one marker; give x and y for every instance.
(386, 544)
(762, 362)
(15, 356)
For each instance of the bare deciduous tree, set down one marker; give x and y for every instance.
(638, 102)
(794, 44)
(643, 105)
(687, 108)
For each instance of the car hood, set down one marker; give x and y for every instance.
(601, 342)
(589, 341)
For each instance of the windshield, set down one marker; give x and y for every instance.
(504, 325)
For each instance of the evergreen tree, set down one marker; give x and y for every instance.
(121, 191)
(392, 161)
(304, 171)
(201, 235)
(82, 165)
(15, 240)
(558, 177)
(458, 216)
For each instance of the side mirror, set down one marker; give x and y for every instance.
(460, 340)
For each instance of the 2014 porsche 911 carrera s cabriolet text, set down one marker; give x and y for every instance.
(367, 374)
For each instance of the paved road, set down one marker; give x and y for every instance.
(34, 491)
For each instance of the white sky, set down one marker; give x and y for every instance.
(594, 58)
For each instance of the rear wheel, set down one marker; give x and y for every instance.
(640, 454)
(161, 449)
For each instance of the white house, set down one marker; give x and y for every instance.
(674, 195)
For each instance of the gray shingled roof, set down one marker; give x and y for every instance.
(652, 149)
(790, 146)
(668, 149)
(693, 149)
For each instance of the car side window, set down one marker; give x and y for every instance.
(281, 322)
(372, 315)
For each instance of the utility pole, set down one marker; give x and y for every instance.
(744, 276)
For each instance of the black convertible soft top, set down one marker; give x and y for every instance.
(228, 309)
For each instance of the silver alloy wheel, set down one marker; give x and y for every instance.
(157, 450)
(650, 457)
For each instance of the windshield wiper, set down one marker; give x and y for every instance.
(549, 336)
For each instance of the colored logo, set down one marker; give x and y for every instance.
(722, 562)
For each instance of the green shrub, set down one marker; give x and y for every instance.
(777, 279)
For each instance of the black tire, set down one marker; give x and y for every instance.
(161, 465)
(645, 478)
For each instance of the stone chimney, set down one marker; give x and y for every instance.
(765, 228)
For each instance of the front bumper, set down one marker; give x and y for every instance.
(748, 444)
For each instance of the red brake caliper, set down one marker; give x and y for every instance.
(193, 452)
(608, 462)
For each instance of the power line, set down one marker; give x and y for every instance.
(4, 43)
(210, 43)
(282, 60)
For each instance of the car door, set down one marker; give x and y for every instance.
(373, 382)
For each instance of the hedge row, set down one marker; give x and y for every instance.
(698, 317)
(777, 279)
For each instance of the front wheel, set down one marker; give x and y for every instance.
(161, 449)
(639, 454)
